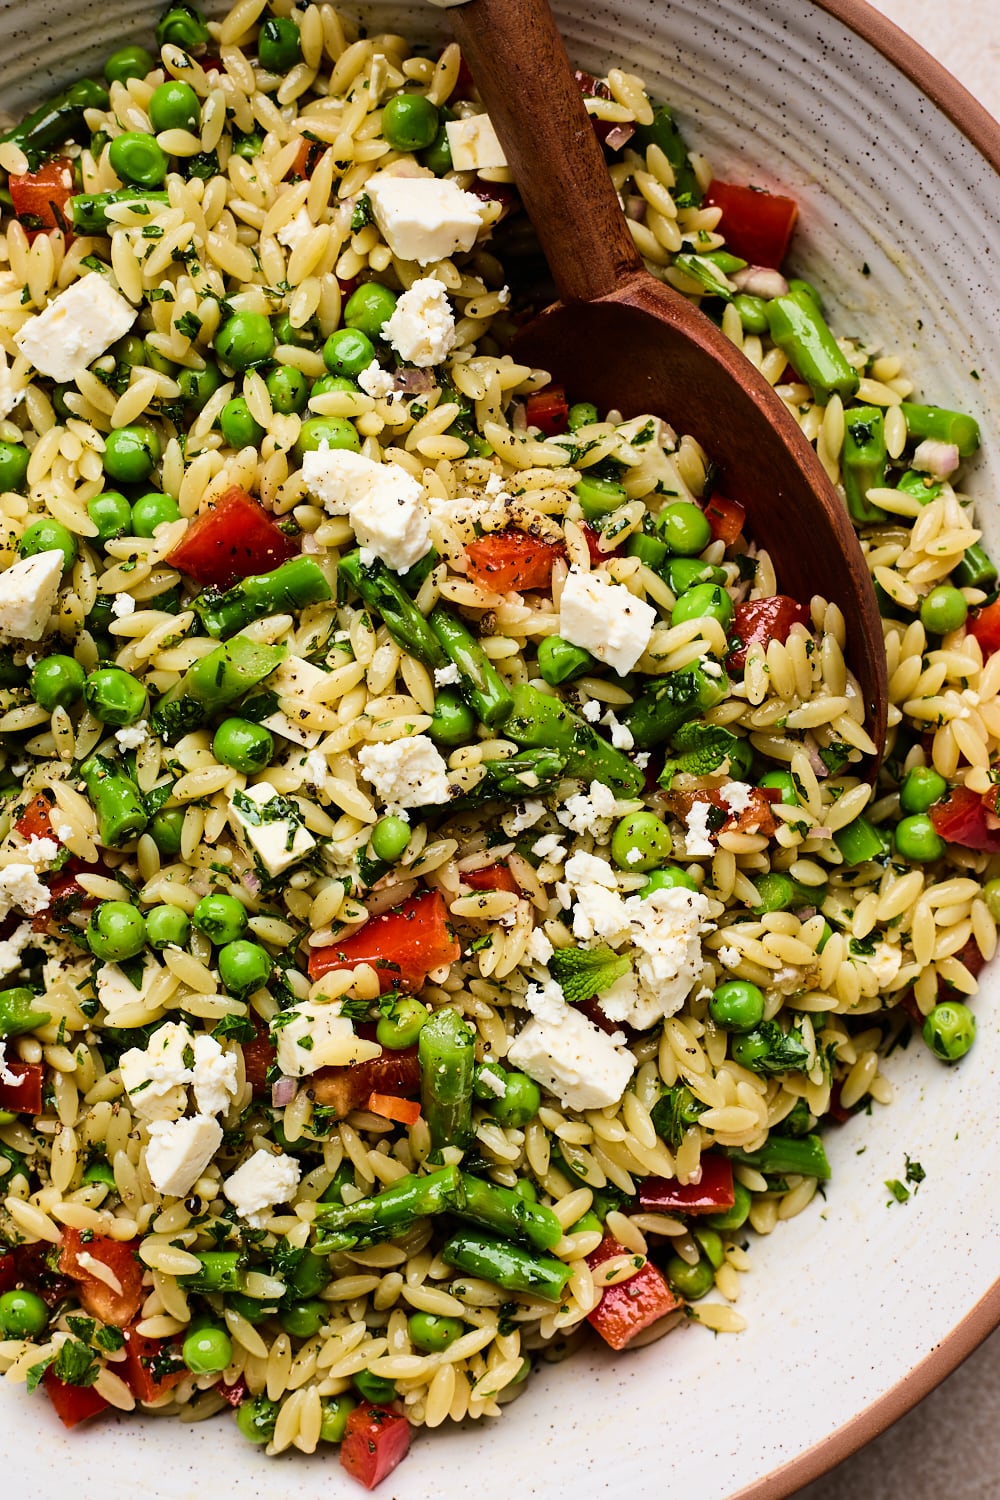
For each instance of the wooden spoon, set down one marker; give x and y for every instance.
(622, 339)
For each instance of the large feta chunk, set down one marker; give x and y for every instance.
(20, 887)
(272, 825)
(422, 326)
(179, 1151)
(384, 504)
(606, 619)
(294, 681)
(406, 773)
(28, 593)
(590, 812)
(665, 930)
(264, 1179)
(213, 1076)
(573, 1059)
(115, 990)
(77, 326)
(474, 145)
(599, 911)
(154, 1079)
(424, 218)
(313, 1034)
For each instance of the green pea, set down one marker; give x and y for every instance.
(641, 841)
(452, 722)
(326, 432)
(431, 1332)
(48, 536)
(389, 838)
(115, 696)
(753, 313)
(57, 682)
(153, 510)
(691, 1282)
(784, 782)
(704, 601)
(167, 927)
(409, 122)
(944, 609)
(243, 745)
(599, 497)
(198, 386)
(327, 383)
(916, 838)
(581, 414)
(521, 1102)
(304, 1319)
(111, 514)
(256, 1419)
(244, 966)
(165, 829)
(684, 528)
(207, 1351)
(735, 1217)
(683, 573)
(116, 931)
(248, 143)
(712, 1246)
(287, 388)
(252, 1308)
(737, 1006)
(183, 25)
(128, 62)
(950, 1030)
(369, 308)
(23, 1315)
(14, 458)
(921, 788)
(131, 453)
(238, 427)
(100, 1171)
(139, 159)
(175, 106)
(374, 1387)
(348, 351)
(437, 156)
(560, 661)
(401, 1025)
(670, 878)
(285, 332)
(245, 339)
(220, 917)
(991, 895)
(279, 46)
(333, 1423)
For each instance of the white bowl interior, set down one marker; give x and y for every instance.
(846, 1300)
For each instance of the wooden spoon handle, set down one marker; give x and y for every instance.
(526, 81)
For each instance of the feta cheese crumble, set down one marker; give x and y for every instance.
(424, 218)
(376, 382)
(474, 145)
(422, 326)
(264, 1180)
(696, 840)
(572, 1058)
(178, 1152)
(28, 592)
(605, 619)
(261, 817)
(133, 735)
(384, 504)
(406, 773)
(313, 1034)
(122, 605)
(21, 888)
(76, 327)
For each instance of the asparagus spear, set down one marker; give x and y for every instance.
(446, 1048)
(483, 688)
(345, 1226)
(116, 801)
(530, 774)
(863, 461)
(382, 591)
(507, 1213)
(89, 211)
(217, 680)
(783, 1154)
(57, 121)
(291, 586)
(669, 702)
(540, 722)
(507, 1265)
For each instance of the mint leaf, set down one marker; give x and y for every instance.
(585, 972)
(35, 1373)
(703, 749)
(75, 1364)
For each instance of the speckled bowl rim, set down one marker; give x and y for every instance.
(982, 131)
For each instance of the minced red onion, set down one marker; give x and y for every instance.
(283, 1091)
(414, 382)
(619, 135)
(936, 458)
(760, 281)
(635, 207)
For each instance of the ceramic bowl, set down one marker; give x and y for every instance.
(859, 1306)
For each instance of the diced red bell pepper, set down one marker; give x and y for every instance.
(464, 83)
(712, 1193)
(492, 878)
(34, 822)
(757, 225)
(963, 817)
(597, 557)
(40, 197)
(66, 895)
(24, 1098)
(231, 540)
(726, 518)
(835, 1109)
(630, 1306)
(307, 159)
(376, 1440)
(344, 1089)
(507, 560)
(391, 1107)
(756, 817)
(403, 944)
(763, 621)
(152, 1366)
(96, 1296)
(258, 1056)
(8, 1273)
(72, 1403)
(233, 1395)
(984, 624)
(548, 410)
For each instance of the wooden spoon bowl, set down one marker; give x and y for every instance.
(624, 340)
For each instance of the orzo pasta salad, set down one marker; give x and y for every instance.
(443, 901)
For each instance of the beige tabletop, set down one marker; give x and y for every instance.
(948, 1447)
